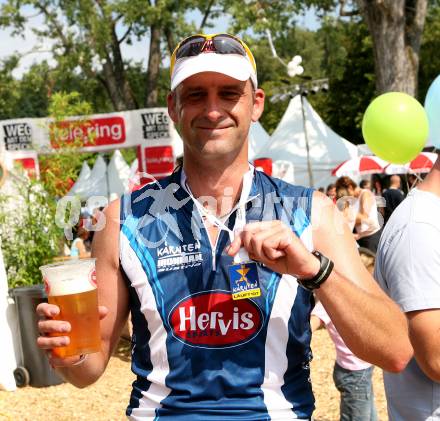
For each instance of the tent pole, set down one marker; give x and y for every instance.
(309, 164)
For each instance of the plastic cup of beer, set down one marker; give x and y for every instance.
(71, 285)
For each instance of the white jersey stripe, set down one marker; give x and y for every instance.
(157, 391)
(275, 358)
(278, 407)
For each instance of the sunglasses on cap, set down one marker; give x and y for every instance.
(217, 43)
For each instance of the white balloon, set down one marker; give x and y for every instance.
(297, 60)
(291, 72)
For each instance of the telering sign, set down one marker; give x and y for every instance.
(148, 127)
(90, 132)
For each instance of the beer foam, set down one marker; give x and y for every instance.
(71, 277)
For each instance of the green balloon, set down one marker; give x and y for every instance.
(395, 127)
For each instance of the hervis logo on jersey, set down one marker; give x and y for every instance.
(212, 319)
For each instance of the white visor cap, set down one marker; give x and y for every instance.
(233, 65)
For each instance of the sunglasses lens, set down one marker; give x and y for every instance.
(190, 47)
(227, 45)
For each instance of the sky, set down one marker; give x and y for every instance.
(34, 51)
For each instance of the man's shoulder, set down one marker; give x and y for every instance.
(163, 194)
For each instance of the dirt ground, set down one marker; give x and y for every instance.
(107, 399)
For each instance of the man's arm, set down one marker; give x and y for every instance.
(113, 300)
(424, 333)
(371, 325)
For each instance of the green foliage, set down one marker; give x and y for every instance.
(83, 37)
(429, 57)
(29, 236)
(60, 168)
(9, 95)
(351, 76)
(272, 74)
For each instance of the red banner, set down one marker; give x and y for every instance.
(159, 160)
(93, 132)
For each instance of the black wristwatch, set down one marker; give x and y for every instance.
(324, 272)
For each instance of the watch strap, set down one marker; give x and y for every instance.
(325, 269)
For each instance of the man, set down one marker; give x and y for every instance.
(216, 334)
(408, 269)
(393, 197)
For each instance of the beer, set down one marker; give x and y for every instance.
(72, 287)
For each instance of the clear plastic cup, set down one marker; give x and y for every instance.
(71, 285)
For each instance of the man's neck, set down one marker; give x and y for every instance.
(222, 185)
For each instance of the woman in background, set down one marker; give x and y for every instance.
(367, 227)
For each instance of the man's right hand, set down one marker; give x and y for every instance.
(48, 328)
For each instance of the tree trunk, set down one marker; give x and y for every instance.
(151, 96)
(119, 73)
(111, 85)
(396, 27)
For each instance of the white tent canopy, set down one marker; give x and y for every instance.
(258, 140)
(81, 181)
(109, 181)
(326, 148)
(95, 184)
(118, 173)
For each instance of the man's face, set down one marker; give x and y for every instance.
(213, 113)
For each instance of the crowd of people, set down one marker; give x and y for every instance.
(367, 209)
(221, 279)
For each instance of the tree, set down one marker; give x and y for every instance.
(87, 36)
(28, 235)
(429, 57)
(61, 167)
(351, 77)
(9, 94)
(396, 27)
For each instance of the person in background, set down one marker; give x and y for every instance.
(367, 227)
(412, 181)
(378, 186)
(321, 189)
(408, 270)
(347, 205)
(365, 184)
(351, 375)
(331, 192)
(393, 196)
(78, 249)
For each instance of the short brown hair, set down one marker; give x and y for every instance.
(345, 182)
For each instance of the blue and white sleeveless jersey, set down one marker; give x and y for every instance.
(197, 353)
